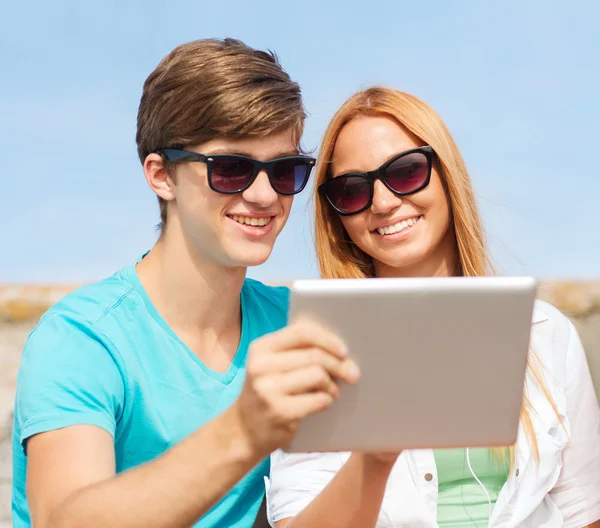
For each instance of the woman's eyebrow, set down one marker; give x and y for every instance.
(355, 171)
(349, 171)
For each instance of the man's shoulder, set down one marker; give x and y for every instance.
(267, 305)
(86, 306)
(276, 296)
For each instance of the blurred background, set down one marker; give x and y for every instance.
(516, 82)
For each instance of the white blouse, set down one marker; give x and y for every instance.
(562, 490)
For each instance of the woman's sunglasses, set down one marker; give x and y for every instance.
(230, 173)
(404, 174)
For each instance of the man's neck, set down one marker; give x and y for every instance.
(191, 293)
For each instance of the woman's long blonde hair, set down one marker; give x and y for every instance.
(339, 258)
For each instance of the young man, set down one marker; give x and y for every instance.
(154, 397)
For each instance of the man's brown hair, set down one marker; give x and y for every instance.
(215, 88)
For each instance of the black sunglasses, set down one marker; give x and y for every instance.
(404, 174)
(231, 173)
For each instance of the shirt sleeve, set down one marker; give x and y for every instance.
(577, 491)
(67, 376)
(297, 479)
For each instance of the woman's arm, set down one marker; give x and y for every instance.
(352, 498)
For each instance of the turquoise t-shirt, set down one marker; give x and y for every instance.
(104, 356)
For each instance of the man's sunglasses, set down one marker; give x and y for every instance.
(404, 174)
(230, 173)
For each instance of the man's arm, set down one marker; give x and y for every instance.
(71, 477)
(71, 471)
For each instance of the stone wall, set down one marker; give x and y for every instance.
(12, 338)
(21, 306)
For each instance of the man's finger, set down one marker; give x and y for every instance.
(286, 361)
(300, 406)
(308, 379)
(303, 334)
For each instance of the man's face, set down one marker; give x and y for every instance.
(236, 229)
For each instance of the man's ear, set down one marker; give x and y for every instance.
(158, 178)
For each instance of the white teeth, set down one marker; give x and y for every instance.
(390, 230)
(246, 220)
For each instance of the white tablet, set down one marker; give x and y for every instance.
(442, 361)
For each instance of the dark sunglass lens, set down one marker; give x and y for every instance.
(349, 194)
(408, 173)
(289, 176)
(230, 174)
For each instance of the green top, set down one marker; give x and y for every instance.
(461, 501)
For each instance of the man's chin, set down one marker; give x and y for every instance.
(252, 257)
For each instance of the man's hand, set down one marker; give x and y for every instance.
(291, 374)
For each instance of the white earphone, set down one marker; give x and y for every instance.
(482, 487)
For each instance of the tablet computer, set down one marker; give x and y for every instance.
(442, 361)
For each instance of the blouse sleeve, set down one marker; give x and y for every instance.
(296, 479)
(577, 491)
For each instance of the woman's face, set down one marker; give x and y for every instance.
(422, 242)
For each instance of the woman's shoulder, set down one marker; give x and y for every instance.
(555, 341)
(551, 324)
(545, 312)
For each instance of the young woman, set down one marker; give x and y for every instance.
(394, 199)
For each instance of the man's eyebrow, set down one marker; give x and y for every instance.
(238, 152)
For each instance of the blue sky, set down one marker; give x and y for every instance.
(516, 82)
